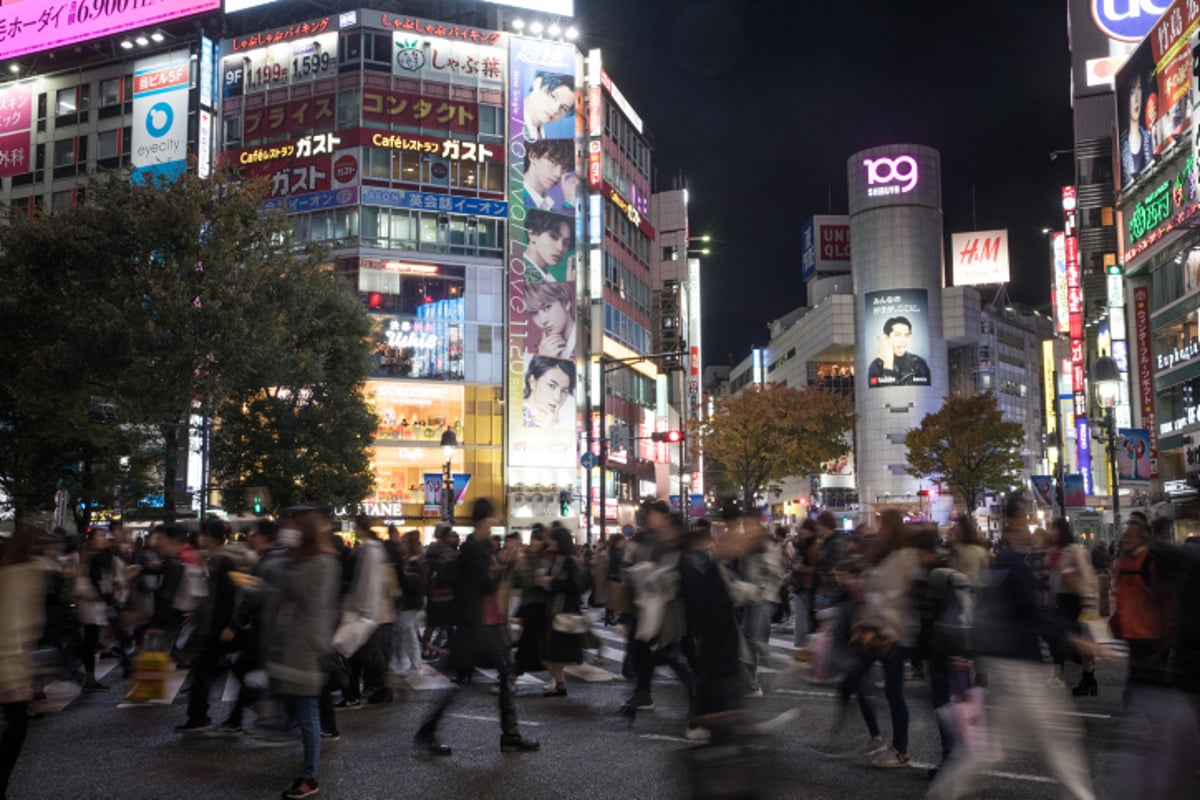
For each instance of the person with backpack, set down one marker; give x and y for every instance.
(480, 638)
(1027, 713)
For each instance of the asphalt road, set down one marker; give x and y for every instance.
(95, 746)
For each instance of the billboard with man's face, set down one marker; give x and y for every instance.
(896, 324)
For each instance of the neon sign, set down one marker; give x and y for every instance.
(36, 25)
(1161, 210)
(888, 176)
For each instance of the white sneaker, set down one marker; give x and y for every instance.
(874, 747)
(754, 691)
(892, 759)
(695, 733)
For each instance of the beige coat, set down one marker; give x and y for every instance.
(22, 595)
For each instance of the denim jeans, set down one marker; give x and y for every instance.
(405, 642)
(305, 712)
(800, 617)
(758, 633)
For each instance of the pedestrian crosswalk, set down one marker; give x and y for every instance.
(601, 665)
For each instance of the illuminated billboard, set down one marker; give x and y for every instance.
(979, 258)
(16, 134)
(897, 322)
(1154, 94)
(1062, 320)
(160, 116)
(541, 294)
(32, 26)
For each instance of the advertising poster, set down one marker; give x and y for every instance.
(16, 135)
(446, 60)
(160, 116)
(542, 312)
(1043, 490)
(1133, 455)
(433, 482)
(1074, 493)
(896, 324)
(1154, 95)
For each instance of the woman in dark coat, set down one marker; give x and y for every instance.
(564, 587)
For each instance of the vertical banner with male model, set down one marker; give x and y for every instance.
(543, 189)
(158, 150)
(897, 322)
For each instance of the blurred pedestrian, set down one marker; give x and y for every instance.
(480, 639)
(1028, 714)
(22, 591)
(298, 624)
(564, 585)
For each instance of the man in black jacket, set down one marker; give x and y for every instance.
(212, 615)
(479, 640)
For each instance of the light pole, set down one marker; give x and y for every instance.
(449, 442)
(1106, 377)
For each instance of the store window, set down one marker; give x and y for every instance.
(412, 419)
(428, 347)
(410, 288)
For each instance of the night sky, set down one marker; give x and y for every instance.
(760, 102)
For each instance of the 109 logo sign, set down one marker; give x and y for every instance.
(887, 176)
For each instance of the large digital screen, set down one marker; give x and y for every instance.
(32, 26)
(542, 303)
(896, 322)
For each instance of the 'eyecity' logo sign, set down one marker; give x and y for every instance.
(886, 176)
(1127, 20)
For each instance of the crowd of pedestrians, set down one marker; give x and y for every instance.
(312, 627)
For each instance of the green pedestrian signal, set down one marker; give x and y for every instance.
(258, 509)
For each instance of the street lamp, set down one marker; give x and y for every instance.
(1106, 377)
(449, 442)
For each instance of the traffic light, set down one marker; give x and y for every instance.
(670, 437)
(564, 503)
(258, 507)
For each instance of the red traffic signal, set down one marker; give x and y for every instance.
(670, 437)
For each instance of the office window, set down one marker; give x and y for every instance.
(65, 101)
(108, 144)
(110, 92)
(64, 152)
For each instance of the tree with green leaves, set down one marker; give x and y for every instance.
(968, 447)
(763, 435)
(304, 432)
(159, 301)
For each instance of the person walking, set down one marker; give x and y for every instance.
(480, 639)
(22, 596)
(414, 579)
(527, 579)
(758, 566)
(1029, 714)
(1075, 590)
(298, 625)
(564, 585)
(372, 596)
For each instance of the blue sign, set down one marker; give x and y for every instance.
(425, 201)
(1128, 20)
(314, 201)
(587, 460)
(165, 114)
(808, 249)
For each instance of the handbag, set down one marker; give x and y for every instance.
(352, 633)
(620, 597)
(872, 642)
(570, 623)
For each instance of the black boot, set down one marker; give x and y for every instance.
(516, 743)
(1087, 685)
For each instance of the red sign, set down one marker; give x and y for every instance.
(299, 177)
(1141, 332)
(410, 109)
(268, 38)
(465, 33)
(345, 168)
(1173, 28)
(834, 242)
(15, 108)
(14, 153)
(309, 113)
(451, 148)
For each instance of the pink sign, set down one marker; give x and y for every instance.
(14, 153)
(31, 26)
(14, 108)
